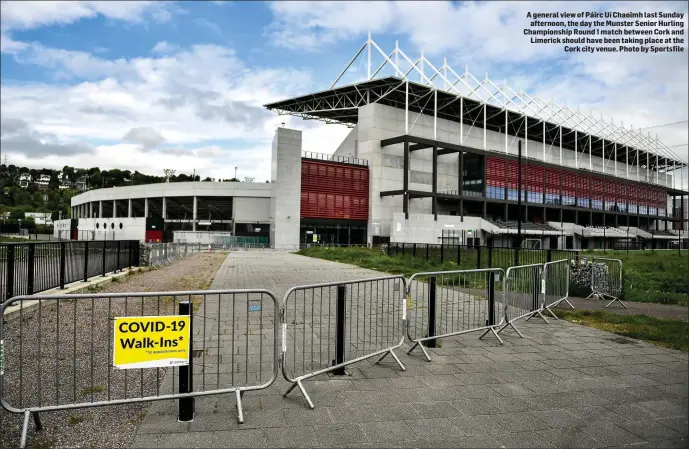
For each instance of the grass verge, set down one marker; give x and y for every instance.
(669, 333)
(373, 259)
(660, 277)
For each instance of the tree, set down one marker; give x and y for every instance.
(18, 213)
(29, 223)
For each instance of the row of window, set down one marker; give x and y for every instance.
(105, 226)
(550, 198)
(502, 173)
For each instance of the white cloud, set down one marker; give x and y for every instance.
(164, 47)
(145, 136)
(26, 15)
(167, 106)
(203, 97)
(639, 90)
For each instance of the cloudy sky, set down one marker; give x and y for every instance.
(153, 85)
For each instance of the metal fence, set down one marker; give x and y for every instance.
(522, 286)
(447, 303)
(555, 285)
(28, 268)
(160, 254)
(59, 355)
(329, 326)
(606, 280)
(477, 257)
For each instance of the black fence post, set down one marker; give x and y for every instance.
(491, 299)
(402, 248)
(186, 373)
(86, 261)
(431, 312)
(414, 250)
(9, 292)
(490, 257)
(442, 252)
(549, 255)
(63, 257)
(459, 253)
(340, 319)
(105, 244)
(30, 264)
(516, 256)
(426, 252)
(478, 257)
(118, 255)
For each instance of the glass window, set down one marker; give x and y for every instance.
(568, 200)
(496, 192)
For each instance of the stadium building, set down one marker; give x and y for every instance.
(431, 155)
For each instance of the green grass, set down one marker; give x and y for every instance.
(669, 333)
(13, 240)
(74, 420)
(660, 276)
(373, 259)
(91, 390)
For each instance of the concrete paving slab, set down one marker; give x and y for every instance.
(563, 385)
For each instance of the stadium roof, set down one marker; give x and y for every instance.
(475, 103)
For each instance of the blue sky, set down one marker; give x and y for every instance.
(153, 85)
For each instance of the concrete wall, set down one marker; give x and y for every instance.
(286, 199)
(108, 228)
(349, 146)
(173, 189)
(251, 210)
(421, 228)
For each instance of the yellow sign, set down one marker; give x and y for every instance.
(151, 341)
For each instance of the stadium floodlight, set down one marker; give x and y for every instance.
(168, 174)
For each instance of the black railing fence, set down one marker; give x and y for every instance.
(28, 268)
(477, 257)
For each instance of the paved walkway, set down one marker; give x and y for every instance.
(564, 385)
(633, 308)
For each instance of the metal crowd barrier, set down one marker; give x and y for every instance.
(329, 326)
(447, 303)
(59, 356)
(162, 254)
(555, 285)
(522, 286)
(606, 280)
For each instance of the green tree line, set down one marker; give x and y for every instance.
(18, 200)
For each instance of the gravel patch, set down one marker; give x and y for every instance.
(63, 363)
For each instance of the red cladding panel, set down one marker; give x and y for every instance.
(495, 170)
(334, 191)
(154, 236)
